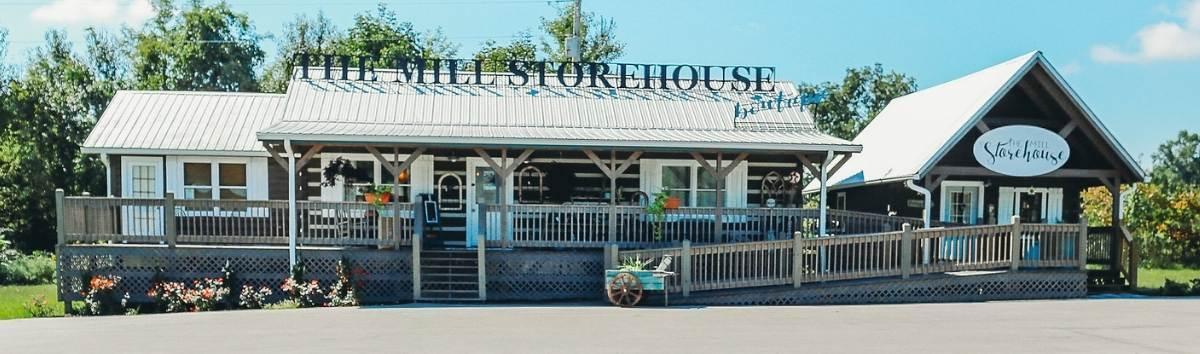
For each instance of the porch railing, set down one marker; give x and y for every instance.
(1100, 252)
(545, 225)
(896, 253)
(172, 221)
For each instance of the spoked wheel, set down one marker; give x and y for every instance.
(625, 290)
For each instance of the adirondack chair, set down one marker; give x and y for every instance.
(661, 272)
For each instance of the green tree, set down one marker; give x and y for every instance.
(598, 42)
(495, 55)
(1177, 161)
(382, 34)
(202, 47)
(302, 35)
(52, 108)
(851, 104)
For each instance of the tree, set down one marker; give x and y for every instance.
(52, 109)
(851, 104)
(495, 55)
(1163, 213)
(382, 34)
(302, 35)
(209, 48)
(597, 43)
(1177, 161)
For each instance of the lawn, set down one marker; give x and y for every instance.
(1150, 280)
(13, 299)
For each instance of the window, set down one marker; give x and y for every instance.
(841, 201)
(230, 181)
(962, 202)
(371, 172)
(691, 184)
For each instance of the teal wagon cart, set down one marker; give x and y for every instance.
(626, 288)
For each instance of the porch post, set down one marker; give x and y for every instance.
(1114, 241)
(612, 196)
(505, 237)
(287, 145)
(718, 229)
(824, 193)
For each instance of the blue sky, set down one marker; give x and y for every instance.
(1136, 63)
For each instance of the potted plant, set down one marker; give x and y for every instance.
(377, 194)
(672, 202)
(657, 209)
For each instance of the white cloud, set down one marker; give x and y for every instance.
(93, 12)
(1167, 40)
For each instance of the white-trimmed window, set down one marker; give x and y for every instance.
(417, 179)
(215, 180)
(691, 183)
(962, 202)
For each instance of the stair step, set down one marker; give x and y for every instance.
(423, 266)
(449, 283)
(449, 292)
(454, 275)
(451, 299)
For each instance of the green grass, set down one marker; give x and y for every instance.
(1151, 280)
(14, 298)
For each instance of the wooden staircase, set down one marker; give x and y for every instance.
(449, 276)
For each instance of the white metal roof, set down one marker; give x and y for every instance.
(183, 123)
(394, 112)
(914, 131)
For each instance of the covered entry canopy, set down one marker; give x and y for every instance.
(915, 133)
(388, 112)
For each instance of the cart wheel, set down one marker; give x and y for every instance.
(625, 290)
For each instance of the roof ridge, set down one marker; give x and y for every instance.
(202, 93)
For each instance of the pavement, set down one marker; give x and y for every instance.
(1085, 325)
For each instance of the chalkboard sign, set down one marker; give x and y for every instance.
(431, 212)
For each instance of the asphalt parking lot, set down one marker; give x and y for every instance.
(1106, 326)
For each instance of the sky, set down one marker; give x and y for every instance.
(1135, 63)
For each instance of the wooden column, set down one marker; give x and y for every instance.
(503, 169)
(906, 245)
(60, 216)
(169, 231)
(719, 173)
(1014, 244)
(1081, 243)
(1114, 242)
(417, 246)
(686, 268)
(613, 171)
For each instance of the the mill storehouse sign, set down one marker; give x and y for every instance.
(1021, 150)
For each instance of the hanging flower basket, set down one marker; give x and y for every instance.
(378, 198)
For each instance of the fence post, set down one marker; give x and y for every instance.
(1135, 259)
(169, 230)
(906, 245)
(417, 239)
(614, 256)
(686, 271)
(797, 258)
(1015, 243)
(60, 215)
(481, 266)
(1081, 246)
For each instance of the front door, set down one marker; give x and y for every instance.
(142, 177)
(1033, 205)
(483, 188)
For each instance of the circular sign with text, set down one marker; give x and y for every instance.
(1021, 150)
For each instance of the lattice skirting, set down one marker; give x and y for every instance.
(542, 275)
(1024, 284)
(388, 277)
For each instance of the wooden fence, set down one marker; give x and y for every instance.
(231, 222)
(544, 225)
(884, 254)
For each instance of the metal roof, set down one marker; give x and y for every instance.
(914, 131)
(182, 123)
(320, 110)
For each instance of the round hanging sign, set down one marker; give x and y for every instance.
(1021, 150)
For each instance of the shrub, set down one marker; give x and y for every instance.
(251, 298)
(304, 294)
(39, 307)
(170, 296)
(1178, 288)
(344, 291)
(100, 297)
(35, 268)
(206, 294)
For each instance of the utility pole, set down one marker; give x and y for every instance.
(574, 48)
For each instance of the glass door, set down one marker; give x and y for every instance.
(483, 188)
(142, 177)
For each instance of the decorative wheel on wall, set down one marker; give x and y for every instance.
(625, 290)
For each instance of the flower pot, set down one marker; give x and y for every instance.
(672, 203)
(377, 198)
